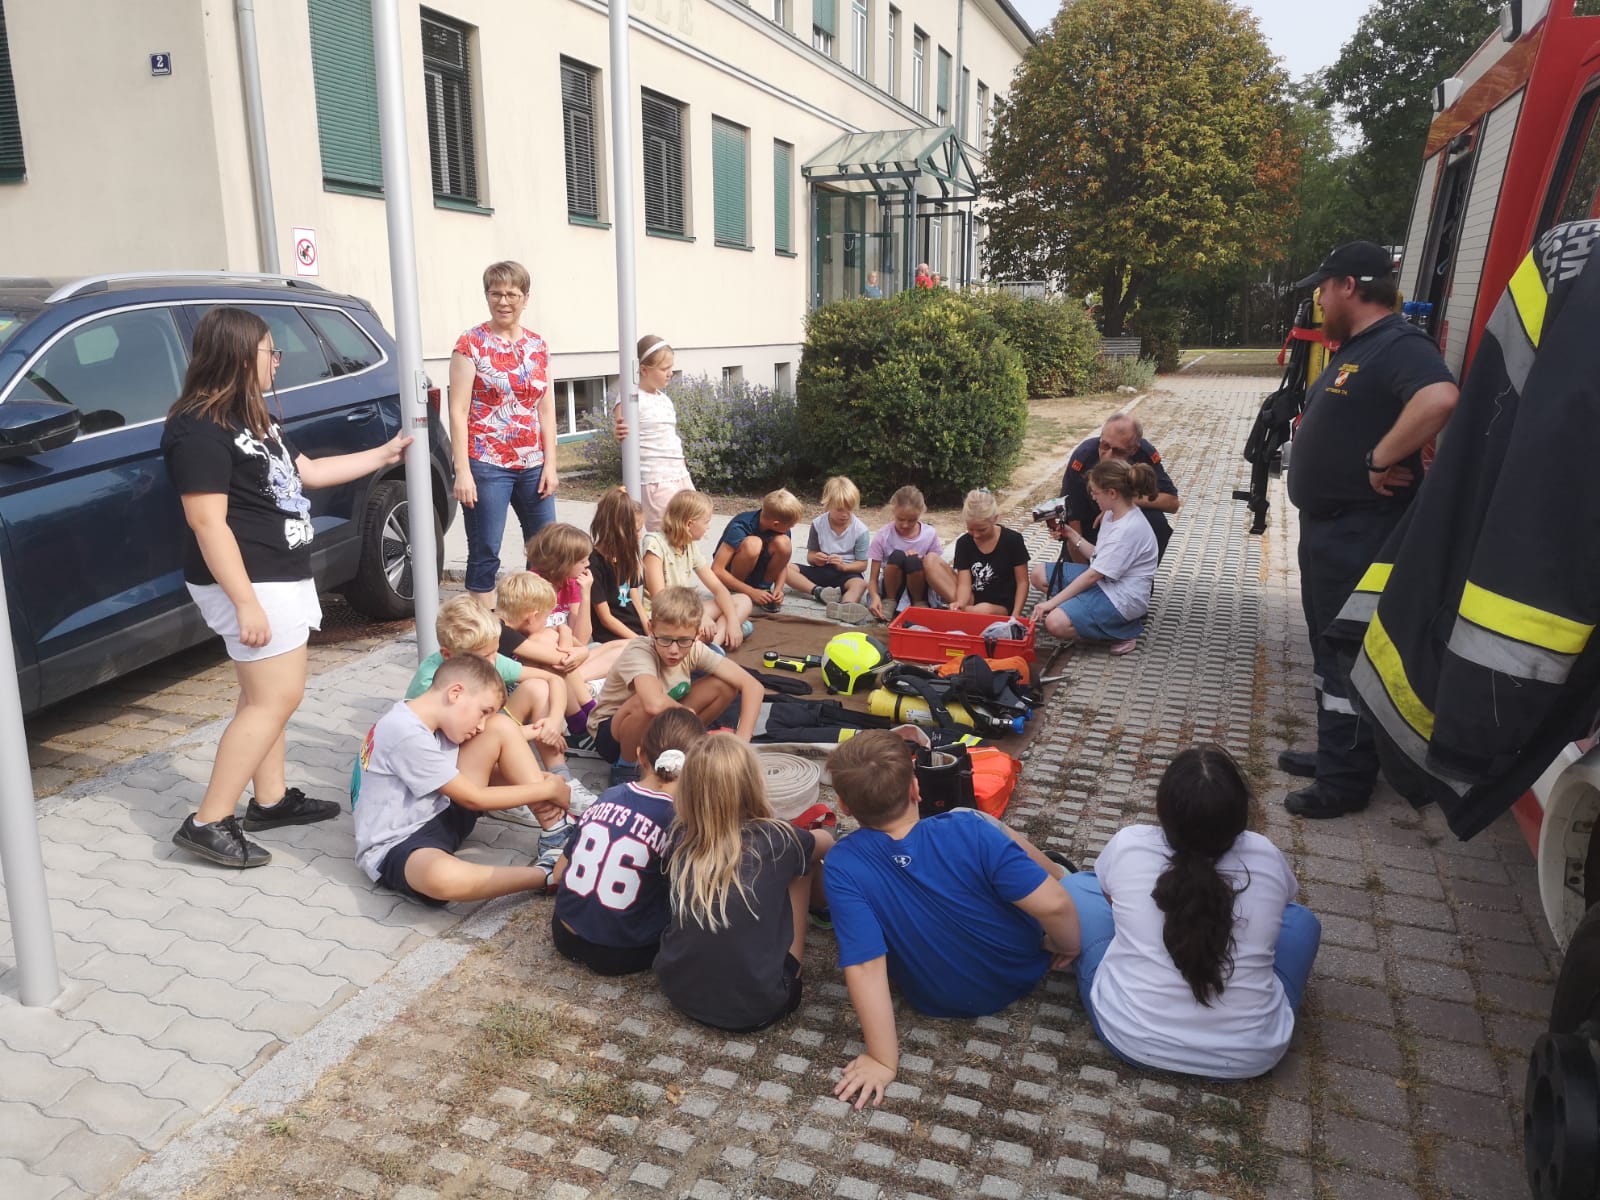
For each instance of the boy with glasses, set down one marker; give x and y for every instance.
(672, 667)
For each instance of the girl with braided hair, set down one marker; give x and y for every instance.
(1195, 957)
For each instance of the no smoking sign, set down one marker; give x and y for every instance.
(305, 251)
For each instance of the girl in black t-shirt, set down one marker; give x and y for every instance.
(991, 561)
(618, 569)
(247, 563)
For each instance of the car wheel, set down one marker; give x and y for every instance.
(1561, 1101)
(384, 586)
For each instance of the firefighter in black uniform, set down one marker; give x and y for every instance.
(1356, 464)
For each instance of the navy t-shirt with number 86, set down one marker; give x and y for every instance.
(614, 892)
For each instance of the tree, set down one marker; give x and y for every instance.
(1381, 82)
(1142, 139)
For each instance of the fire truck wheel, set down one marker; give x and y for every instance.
(1561, 1101)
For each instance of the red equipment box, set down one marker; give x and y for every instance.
(950, 635)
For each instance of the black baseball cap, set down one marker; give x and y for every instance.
(1364, 260)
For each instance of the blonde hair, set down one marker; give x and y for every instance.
(840, 492)
(465, 627)
(676, 606)
(720, 792)
(557, 551)
(980, 505)
(508, 272)
(522, 594)
(782, 505)
(681, 509)
(909, 497)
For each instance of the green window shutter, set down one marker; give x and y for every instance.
(944, 81)
(783, 196)
(728, 179)
(347, 93)
(12, 168)
(825, 15)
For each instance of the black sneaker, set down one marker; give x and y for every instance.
(220, 842)
(1301, 763)
(1316, 803)
(296, 808)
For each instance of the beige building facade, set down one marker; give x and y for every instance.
(109, 164)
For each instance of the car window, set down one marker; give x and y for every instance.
(121, 369)
(352, 349)
(303, 359)
(1584, 182)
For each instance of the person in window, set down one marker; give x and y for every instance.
(247, 564)
(502, 427)
(874, 292)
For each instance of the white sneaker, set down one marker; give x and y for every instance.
(849, 613)
(580, 797)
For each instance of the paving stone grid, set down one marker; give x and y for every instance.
(1403, 1080)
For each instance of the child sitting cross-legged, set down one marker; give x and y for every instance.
(465, 629)
(426, 771)
(964, 914)
(752, 558)
(905, 559)
(613, 905)
(659, 672)
(834, 572)
(742, 881)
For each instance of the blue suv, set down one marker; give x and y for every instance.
(90, 529)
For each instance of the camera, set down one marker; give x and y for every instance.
(1050, 512)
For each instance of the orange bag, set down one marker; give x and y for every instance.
(1016, 663)
(994, 778)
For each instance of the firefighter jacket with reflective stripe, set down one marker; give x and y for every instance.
(1478, 658)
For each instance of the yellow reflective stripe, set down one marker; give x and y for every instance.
(1514, 619)
(1528, 294)
(1376, 578)
(1392, 674)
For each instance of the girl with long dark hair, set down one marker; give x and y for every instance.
(247, 564)
(1194, 956)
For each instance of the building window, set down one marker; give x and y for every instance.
(981, 137)
(941, 111)
(919, 80)
(730, 182)
(780, 13)
(860, 44)
(732, 376)
(936, 245)
(783, 378)
(961, 102)
(346, 82)
(447, 81)
(892, 81)
(579, 122)
(783, 197)
(12, 167)
(824, 25)
(663, 165)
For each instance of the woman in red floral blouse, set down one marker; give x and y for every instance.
(502, 427)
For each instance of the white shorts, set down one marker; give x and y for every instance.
(292, 609)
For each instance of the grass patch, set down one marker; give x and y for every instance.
(517, 1031)
(592, 1096)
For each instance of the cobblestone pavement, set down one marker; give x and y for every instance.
(518, 1074)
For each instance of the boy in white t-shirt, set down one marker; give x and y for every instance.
(835, 569)
(425, 772)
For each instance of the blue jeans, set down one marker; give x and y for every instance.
(485, 522)
(1298, 940)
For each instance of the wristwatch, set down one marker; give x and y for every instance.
(1372, 467)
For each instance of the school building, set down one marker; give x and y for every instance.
(783, 149)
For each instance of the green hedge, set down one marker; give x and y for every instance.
(920, 388)
(1057, 339)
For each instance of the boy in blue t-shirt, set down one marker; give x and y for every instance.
(753, 555)
(964, 914)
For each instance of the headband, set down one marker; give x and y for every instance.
(658, 344)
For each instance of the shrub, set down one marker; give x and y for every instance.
(736, 436)
(919, 388)
(1112, 373)
(1056, 337)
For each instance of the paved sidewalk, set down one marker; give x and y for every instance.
(200, 996)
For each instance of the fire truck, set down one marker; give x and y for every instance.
(1514, 149)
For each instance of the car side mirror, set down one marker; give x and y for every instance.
(30, 427)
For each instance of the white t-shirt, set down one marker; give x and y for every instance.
(852, 543)
(1126, 554)
(1144, 1006)
(660, 449)
(680, 568)
(394, 790)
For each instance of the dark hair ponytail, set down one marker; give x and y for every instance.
(1130, 480)
(1203, 803)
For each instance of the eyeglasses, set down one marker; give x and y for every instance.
(682, 643)
(510, 296)
(277, 356)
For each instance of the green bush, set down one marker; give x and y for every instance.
(1112, 373)
(919, 388)
(1057, 339)
(737, 437)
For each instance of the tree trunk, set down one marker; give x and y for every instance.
(1115, 300)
